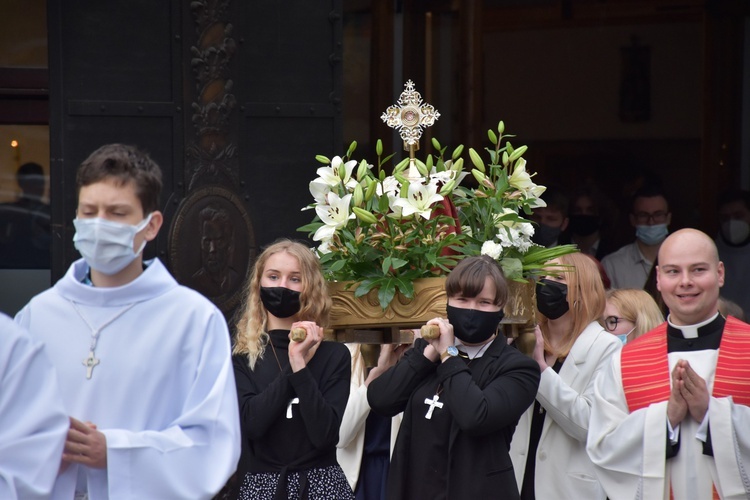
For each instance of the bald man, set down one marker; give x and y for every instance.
(670, 417)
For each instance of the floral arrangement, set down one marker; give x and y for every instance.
(382, 231)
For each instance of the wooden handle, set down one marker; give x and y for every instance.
(299, 334)
(430, 332)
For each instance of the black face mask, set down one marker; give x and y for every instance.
(552, 298)
(279, 301)
(472, 326)
(584, 225)
(545, 235)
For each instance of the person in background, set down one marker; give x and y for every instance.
(366, 439)
(33, 421)
(551, 220)
(143, 364)
(461, 393)
(586, 215)
(630, 313)
(549, 444)
(25, 231)
(729, 308)
(292, 394)
(733, 244)
(629, 266)
(670, 413)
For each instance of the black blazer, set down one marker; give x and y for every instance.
(485, 399)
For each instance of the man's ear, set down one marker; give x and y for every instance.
(153, 226)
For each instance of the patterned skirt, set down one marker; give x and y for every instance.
(322, 484)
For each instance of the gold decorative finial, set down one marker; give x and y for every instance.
(410, 116)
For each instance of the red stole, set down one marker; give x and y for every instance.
(646, 376)
(645, 367)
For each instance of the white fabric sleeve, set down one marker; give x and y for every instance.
(195, 454)
(731, 445)
(33, 422)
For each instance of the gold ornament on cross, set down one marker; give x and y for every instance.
(410, 116)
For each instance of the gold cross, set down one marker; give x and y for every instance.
(410, 116)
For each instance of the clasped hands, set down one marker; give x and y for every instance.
(84, 445)
(689, 395)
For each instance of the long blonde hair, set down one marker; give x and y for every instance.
(586, 299)
(315, 304)
(638, 307)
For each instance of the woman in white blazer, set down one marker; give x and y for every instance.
(549, 445)
(351, 445)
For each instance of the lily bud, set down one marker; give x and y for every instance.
(458, 165)
(322, 159)
(351, 149)
(479, 176)
(364, 216)
(379, 147)
(342, 171)
(370, 191)
(435, 144)
(457, 152)
(447, 188)
(401, 166)
(500, 127)
(421, 167)
(476, 160)
(505, 158)
(362, 170)
(517, 153)
(358, 196)
(492, 136)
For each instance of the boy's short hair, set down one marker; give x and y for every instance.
(556, 200)
(123, 164)
(470, 274)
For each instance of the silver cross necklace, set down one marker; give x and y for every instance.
(91, 360)
(435, 401)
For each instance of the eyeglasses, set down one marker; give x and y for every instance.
(610, 322)
(659, 217)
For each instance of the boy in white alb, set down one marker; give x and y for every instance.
(143, 363)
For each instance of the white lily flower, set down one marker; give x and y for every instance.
(389, 185)
(498, 218)
(319, 189)
(325, 246)
(335, 215)
(420, 199)
(520, 179)
(332, 175)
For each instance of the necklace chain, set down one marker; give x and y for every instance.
(91, 360)
(273, 349)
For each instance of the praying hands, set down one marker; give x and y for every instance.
(689, 395)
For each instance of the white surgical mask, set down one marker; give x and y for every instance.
(105, 245)
(735, 231)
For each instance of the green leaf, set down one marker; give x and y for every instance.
(386, 292)
(398, 263)
(386, 265)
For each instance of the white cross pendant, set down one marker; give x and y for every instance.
(294, 401)
(432, 403)
(90, 362)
